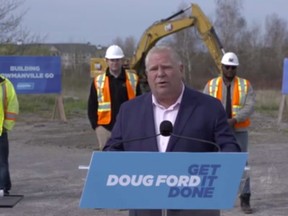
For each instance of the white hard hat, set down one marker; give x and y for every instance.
(230, 58)
(114, 52)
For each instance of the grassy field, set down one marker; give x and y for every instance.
(75, 102)
(268, 102)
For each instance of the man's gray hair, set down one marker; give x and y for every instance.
(163, 48)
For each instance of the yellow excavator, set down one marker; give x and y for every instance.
(166, 27)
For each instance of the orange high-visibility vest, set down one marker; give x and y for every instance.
(239, 95)
(101, 83)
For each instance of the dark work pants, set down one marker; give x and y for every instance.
(242, 139)
(5, 182)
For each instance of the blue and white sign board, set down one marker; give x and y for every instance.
(33, 74)
(153, 180)
(285, 77)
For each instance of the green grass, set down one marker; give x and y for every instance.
(75, 91)
(268, 102)
(35, 103)
(75, 102)
(75, 106)
(44, 105)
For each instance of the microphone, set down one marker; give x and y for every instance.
(166, 129)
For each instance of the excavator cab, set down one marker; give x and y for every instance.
(97, 66)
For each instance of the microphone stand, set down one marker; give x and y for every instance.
(199, 140)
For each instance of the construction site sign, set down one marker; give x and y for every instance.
(285, 77)
(33, 74)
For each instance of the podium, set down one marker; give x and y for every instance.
(170, 180)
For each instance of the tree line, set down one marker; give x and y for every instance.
(261, 51)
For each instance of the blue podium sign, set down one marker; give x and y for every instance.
(153, 180)
(33, 74)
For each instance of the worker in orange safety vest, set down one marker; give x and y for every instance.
(108, 91)
(238, 99)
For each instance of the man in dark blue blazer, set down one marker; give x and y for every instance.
(192, 114)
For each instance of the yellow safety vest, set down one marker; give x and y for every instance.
(239, 95)
(103, 92)
(9, 106)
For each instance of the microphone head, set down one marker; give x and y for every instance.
(166, 128)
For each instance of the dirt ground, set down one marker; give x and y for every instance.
(45, 156)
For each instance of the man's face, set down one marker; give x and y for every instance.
(164, 75)
(229, 71)
(114, 65)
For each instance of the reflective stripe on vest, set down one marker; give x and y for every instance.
(104, 101)
(215, 87)
(131, 83)
(103, 92)
(239, 95)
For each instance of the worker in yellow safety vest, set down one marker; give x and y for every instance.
(238, 99)
(9, 109)
(108, 91)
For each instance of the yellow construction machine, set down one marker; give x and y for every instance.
(166, 27)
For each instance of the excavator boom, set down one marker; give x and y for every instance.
(208, 35)
(166, 27)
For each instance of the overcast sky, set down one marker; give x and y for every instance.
(101, 21)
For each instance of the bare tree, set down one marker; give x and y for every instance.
(248, 49)
(185, 42)
(276, 31)
(261, 55)
(128, 45)
(238, 37)
(189, 46)
(229, 22)
(118, 41)
(275, 47)
(13, 36)
(10, 28)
